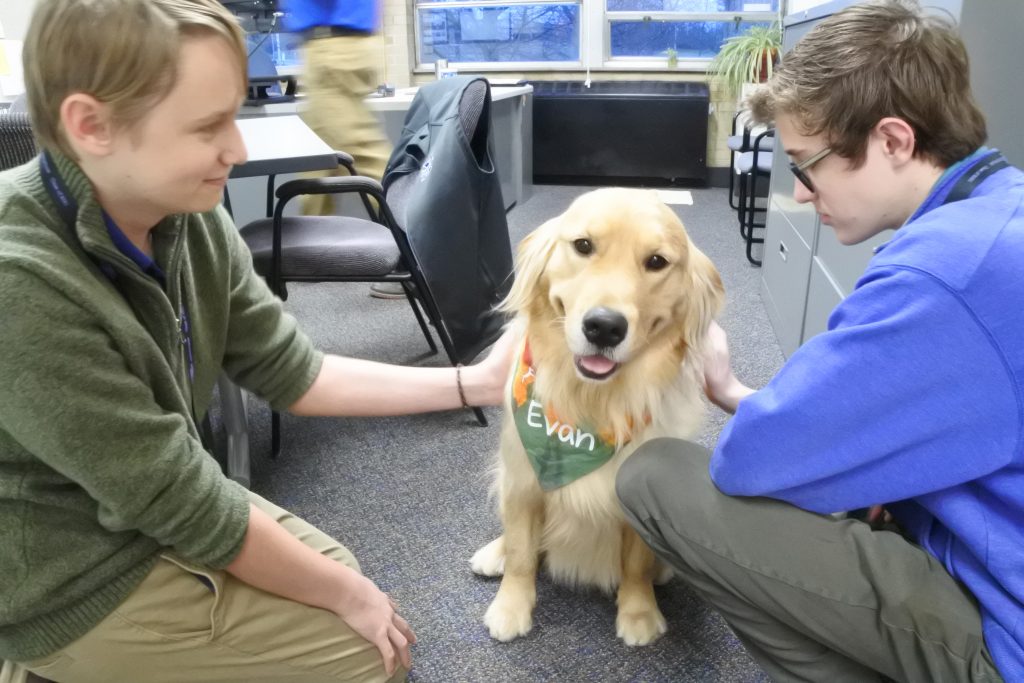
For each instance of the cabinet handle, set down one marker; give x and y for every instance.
(783, 251)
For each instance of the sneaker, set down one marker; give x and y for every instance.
(387, 290)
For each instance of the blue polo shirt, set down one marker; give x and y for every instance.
(146, 264)
(302, 15)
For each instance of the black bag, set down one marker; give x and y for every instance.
(443, 189)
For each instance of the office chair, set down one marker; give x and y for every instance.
(347, 249)
(741, 140)
(17, 144)
(751, 165)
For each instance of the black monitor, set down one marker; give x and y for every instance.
(250, 6)
(254, 15)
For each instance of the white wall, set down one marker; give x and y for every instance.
(14, 16)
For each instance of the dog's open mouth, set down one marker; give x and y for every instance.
(596, 366)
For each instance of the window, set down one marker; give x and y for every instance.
(556, 34)
(545, 32)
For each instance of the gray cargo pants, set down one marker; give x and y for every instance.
(812, 598)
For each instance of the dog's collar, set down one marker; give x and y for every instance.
(559, 452)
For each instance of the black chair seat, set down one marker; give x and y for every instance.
(324, 247)
(17, 146)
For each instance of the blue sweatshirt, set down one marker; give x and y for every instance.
(913, 398)
(302, 15)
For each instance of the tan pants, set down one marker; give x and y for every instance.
(339, 73)
(174, 628)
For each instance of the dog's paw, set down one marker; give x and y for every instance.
(490, 560)
(640, 628)
(508, 619)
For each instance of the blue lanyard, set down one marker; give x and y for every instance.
(963, 181)
(68, 209)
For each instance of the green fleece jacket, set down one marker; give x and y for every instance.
(101, 466)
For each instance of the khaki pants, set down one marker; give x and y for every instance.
(339, 73)
(174, 628)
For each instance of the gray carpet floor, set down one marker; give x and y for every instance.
(408, 495)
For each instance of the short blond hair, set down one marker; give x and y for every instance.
(871, 61)
(122, 52)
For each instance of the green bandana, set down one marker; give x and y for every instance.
(560, 453)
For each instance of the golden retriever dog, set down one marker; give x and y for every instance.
(612, 302)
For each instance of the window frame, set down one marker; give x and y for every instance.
(595, 20)
(424, 67)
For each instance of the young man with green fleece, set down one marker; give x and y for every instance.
(125, 289)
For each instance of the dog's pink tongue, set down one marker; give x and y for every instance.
(598, 364)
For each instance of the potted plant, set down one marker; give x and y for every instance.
(746, 58)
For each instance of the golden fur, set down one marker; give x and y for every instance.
(579, 529)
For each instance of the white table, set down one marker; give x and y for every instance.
(277, 145)
(281, 144)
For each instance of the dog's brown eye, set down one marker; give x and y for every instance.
(583, 246)
(655, 262)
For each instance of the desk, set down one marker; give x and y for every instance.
(512, 124)
(276, 145)
(281, 144)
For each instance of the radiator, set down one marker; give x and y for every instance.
(620, 132)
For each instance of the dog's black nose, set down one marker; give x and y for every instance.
(604, 327)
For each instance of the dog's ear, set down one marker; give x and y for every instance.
(707, 298)
(531, 259)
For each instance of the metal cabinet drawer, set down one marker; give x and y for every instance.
(823, 295)
(845, 263)
(787, 261)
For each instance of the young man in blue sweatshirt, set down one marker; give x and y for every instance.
(913, 399)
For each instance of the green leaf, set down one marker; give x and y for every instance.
(740, 58)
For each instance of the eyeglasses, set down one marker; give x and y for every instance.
(798, 169)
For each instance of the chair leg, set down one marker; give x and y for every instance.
(232, 403)
(742, 211)
(419, 317)
(732, 179)
(275, 434)
(449, 348)
(748, 228)
(750, 244)
(748, 235)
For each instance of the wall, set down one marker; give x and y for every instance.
(14, 15)
(400, 57)
(992, 31)
(399, 35)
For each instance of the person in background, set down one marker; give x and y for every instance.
(911, 400)
(125, 290)
(341, 52)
